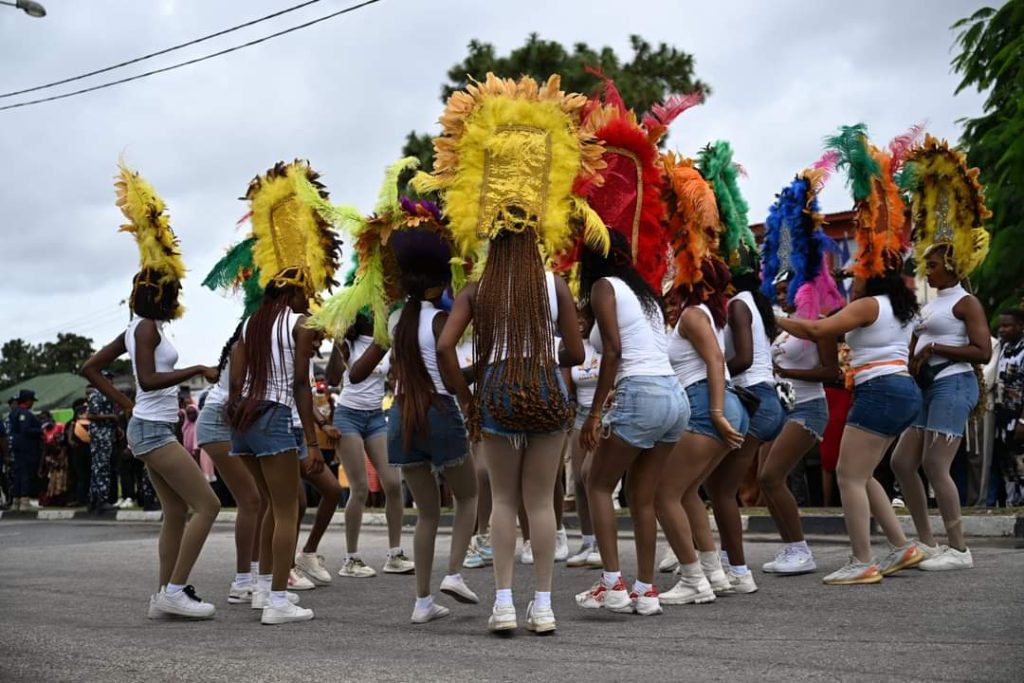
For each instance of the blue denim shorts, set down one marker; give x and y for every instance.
(581, 417)
(886, 405)
(212, 425)
(648, 411)
(811, 415)
(300, 442)
(700, 411)
(366, 423)
(488, 425)
(947, 404)
(270, 434)
(145, 436)
(445, 445)
(767, 422)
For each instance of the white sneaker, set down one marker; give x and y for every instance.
(526, 554)
(711, 565)
(689, 590)
(897, 502)
(615, 598)
(502, 619)
(126, 504)
(539, 619)
(561, 547)
(648, 604)
(399, 564)
(184, 603)
(435, 611)
(930, 551)
(118, 502)
(239, 595)
(741, 583)
(580, 558)
(153, 612)
(791, 561)
(285, 614)
(261, 599)
(668, 563)
(355, 568)
(312, 567)
(948, 559)
(298, 582)
(457, 588)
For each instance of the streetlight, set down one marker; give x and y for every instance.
(29, 7)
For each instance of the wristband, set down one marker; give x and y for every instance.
(312, 445)
(594, 416)
(718, 411)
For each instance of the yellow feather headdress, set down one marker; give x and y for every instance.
(159, 257)
(507, 157)
(947, 204)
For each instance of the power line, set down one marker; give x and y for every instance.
(161, 52)
(192, 61)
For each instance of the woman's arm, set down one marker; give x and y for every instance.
(696, 327)
(305, 345)
(236, 380)
(93, 368)
(572, 353)
(336, 364)
(602, 303)
(828, 364)
(370, 359)
(856, 314)
(741, 328)
(147, 338)
(447, 343)
(979, 342)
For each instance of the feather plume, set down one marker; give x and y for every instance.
(851, 144)
(738, 244)
(900, 146)
(661, 116)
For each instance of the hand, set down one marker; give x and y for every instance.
(211, 374)
(731, 437)
(779, 372)
(920, 359)
(590, 434)
(331, 431)
(314, 462)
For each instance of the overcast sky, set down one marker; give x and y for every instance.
(345, 93)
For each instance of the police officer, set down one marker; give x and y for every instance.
(26, 446)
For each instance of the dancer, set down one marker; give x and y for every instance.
(795, 252)
(582, 387)
(179, 483)
(878, 325)
(505, 165)
(950, 239)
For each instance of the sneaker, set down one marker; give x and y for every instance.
(615, 598)
(902, 557)
(239, 595)
(261, 599)
(298, 582)
(526, 554)
(689, 590)
(897, 502)
(580, 558)
(947, 559)
(473, 559)
(594, 559)
(126, 504)
(791, 561)
(354, 567)
(539, 619)
(435, 611)
(118, 502)
(561, 547)
(502, 619)
(457, 589)
(482, 543)
(184, 603)
(741, 583)
(711, 565)
(285, 614)
(853, 573)
(669, 563)
(930, 551)
(153, 612)
(648, 604)
(399, 564)
(312, 567)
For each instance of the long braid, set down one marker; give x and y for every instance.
(225, 353)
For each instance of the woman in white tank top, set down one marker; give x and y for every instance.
(952, 335)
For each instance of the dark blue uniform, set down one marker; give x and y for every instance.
(27, 449)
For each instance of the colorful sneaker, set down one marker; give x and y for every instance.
(853, 573)
(648, 604)
(399, 564)
(902, 557)
(526, 554)
(482, 542)
(473, 559)
(298, 582)
(312, 567)
(561, 546)
(456, 587)
(354, 567)
(948, 559)
(580, 558)
(285, 614)
(688, 590)
(711, 565)
(540, 619)
(502, 619)
(615, 598)
(240, 595)
(930, 551)
(184, 603)
(435, 611)
(260, 599)
(669, 563)
(741, 583)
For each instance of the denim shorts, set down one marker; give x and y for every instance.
(366, 423)
(145, 436)
(700, 411)
(648, 411)
(947, 404)
(811, 415)
(581, 417)
(886, 405)
(767, 422)
(488, 425)
(212, 425)
(270, 434)
(445, 445)
(300, 442)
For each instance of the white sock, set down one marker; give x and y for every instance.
(542, 600)
(254, 568)
(423, 604)
(639, 587)
(174, 588)
(454, 577)
(692, 571)
(800, 545)
(503, 597)
(723, 557)
(243, 579)
(589, 539)
(263, 581)
(278, 598)
(609, 579)
(560, 531)
(740, 569)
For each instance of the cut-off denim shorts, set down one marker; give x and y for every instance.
(488, 425)
(270, 434)
(446, 444)
(364, 423)
(145, 436)
(947, 404)
(300, 442)
(648, 411)
(811, 415)
(700, 411)
(212, 425)
(886, 405)
(767, 422)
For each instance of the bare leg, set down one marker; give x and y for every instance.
(579, 457)
(427, 497)
(175, 514)
(541, 460)
(483, 491)
(791, 445)
(937, 461)
(643, 478)
(723, 484)
(265, 554)
(461, 480)
(681, 476)
(353, 459)
(243, 489)
(610, 461)
(391, 485)
(281, 476)
(859, 455)
(504, 468)
(906, 462)
(327, 486)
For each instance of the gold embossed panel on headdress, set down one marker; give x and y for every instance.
(517, 166)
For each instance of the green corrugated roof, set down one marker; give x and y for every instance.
(53, 392)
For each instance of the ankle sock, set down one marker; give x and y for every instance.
(394, 551)
(263, 582)
(278, 598)
(740, 569)
(590, 539)
(640, 588)
(174, 588)
(243, 579)
(609, 579)
(800, 545)
(423, 604)
(503, 597)
(691, 571)
(542, 600)
(254, 568)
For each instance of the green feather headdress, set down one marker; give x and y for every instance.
(237, 271)
(738, 246)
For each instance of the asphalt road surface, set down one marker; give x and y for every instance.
(73, 599)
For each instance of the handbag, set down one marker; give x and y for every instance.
(786, 393)
(751, 401)
(927, 373)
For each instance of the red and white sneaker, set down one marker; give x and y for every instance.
(615, 598)
(648, 604)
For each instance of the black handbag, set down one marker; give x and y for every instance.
(927, 373)
(751, 402)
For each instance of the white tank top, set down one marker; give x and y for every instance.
(584, 376)
(282, 359)
(160, 405)
(791, 353)
(760, 369)
(368, 394)
(642, 338)
(428, 346)
(549, 281)
(885, 340)
(219, 393)
(689, 365)
(940, 326)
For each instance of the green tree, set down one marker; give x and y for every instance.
(66, 354)
(992, 60)
(647, 78)
(19, 361)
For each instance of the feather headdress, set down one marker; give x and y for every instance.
(237, 271)
(159, 257)
(507, 157)
(693, 224)
(738, 246)
(948, 206)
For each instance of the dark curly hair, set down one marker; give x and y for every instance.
(594, 266)
(903, 299)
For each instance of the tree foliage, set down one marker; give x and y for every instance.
(648, 77)
(21, 360)
(992, 60)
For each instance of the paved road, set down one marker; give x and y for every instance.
(73, 599)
